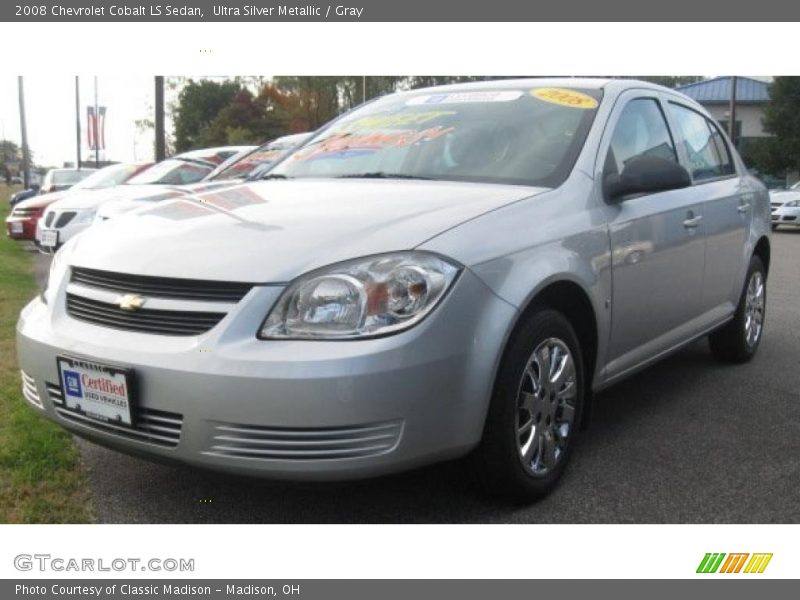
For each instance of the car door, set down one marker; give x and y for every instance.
(657, 242)
(727, 206)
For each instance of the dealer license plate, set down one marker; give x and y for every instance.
(97, 391)
(48, 238)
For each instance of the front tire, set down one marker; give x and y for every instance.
(738, 340)
(535, 409)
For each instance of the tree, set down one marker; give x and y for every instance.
(199, 103)
(316, 99)
(248, 119)
(9, 151)
(10, 157)
(782, 119)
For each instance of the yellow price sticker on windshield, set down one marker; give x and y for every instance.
(565, 97)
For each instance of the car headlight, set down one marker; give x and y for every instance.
(85, 217)
(361, 298)
(57, 267)
(793, 204)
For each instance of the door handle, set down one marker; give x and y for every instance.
(743, 208)
(692, 222)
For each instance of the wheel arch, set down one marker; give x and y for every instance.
(574, 302)
(763, 251)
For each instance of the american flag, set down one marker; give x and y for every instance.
(96, 127)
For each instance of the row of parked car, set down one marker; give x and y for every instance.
(71, 200)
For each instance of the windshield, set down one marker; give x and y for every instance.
(260, 158)
(173, 171)
(69, 177)
(107, 177)
(515, 136)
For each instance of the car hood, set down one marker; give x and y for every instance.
(121, 205)
(90, 199)
(41, 201)
(784, 195)
(274, 231)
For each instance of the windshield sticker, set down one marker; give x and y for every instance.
(347, 145)
(162, 196)
(565, 97)
(232, 198)
(179, 210)
(398, 121)
(466, 97)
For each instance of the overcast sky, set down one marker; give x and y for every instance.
(50, 112)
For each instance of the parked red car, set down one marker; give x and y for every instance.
(21, 223)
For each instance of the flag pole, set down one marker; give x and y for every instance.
(77, 122)
(96, 128)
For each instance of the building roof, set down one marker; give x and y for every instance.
(718, 91)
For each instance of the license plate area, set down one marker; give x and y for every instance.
(97, 391)
(16, 227)
(48, 238)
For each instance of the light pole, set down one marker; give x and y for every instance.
(26, 167)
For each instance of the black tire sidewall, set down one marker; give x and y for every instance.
(746, 350)
(499, 445)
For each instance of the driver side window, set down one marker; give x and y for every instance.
(640, 131)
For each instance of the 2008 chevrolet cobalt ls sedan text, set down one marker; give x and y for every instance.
(437, 272)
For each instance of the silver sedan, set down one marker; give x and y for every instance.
(441, 272)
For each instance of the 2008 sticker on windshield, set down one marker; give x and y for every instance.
(465, 97)
(565, 97)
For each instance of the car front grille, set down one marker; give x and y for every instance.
(165, 322)
(277, 443)
(150, 425)
(790, 218)
(64, 218)
(161, 287)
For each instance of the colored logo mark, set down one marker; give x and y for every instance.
(72, 382)
(740, 562)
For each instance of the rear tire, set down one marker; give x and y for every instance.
(535, 409)
(738, 340)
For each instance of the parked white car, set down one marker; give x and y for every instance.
(66, 218)
(246, 165)
(788, 213)
(778, 198)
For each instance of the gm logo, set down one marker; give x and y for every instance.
(72, 383)
(713, 563)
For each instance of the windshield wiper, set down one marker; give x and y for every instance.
(272, 176)
(382, 175)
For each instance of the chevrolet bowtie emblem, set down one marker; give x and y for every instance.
(130, 302)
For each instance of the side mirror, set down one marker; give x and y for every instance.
(646, 175)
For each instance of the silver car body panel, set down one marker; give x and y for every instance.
(421, 395)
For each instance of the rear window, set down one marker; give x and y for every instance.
(705, 149)
(70, 177)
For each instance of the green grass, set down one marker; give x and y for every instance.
(41, 477)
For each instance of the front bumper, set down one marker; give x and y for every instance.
(287, 409)
(28, 225)
(65, 233)
(783, 216)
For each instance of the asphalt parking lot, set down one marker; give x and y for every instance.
(689, 440)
